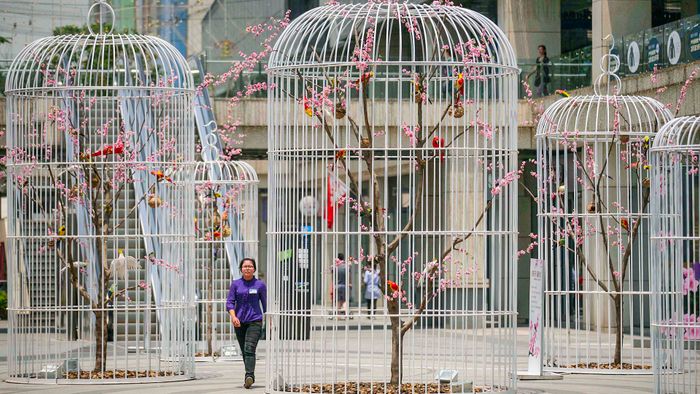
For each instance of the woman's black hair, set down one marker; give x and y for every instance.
(252, 260)
(544, 49)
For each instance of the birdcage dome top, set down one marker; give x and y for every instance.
(681, 134)
(606, 112)
(98, 61)
(595, 116)
(229, 172)
(401, 34)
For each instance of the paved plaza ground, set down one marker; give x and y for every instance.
(227, 377)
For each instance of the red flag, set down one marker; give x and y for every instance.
(335, 190)
(329, 204)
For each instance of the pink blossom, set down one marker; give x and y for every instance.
(684, 89)
(410, 133)
(692, 330)
(690, 284)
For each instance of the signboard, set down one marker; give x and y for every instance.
(534, 354)
(633, 56)
(653, 52)
(694, 42)
(673, 47)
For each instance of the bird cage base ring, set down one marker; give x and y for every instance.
(103, 381)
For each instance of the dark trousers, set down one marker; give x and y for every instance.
(248, 335)
(370, 305)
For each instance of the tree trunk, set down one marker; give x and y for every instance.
(396, 339)
(618, 321)
(210, 314)
(100, 341)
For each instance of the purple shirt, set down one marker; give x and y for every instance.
(245, 297)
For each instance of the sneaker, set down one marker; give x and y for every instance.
(249, 381)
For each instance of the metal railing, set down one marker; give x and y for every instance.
(565, 76)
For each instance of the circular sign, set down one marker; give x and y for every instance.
(308, 206)
(653, 52)
(633, 57)
(694, 41)
(673, 47)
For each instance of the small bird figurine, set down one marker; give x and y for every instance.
(121, 264)
(307, 108)
(625, 224)
(339, 155)
(459, 84)
(562, 93)
(366, 77)
(392, 285)
(61, 232)
(439, 142)
(160, 176)
(115, 149)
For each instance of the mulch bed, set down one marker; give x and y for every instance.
(118, 374)
(379, 388)
(626, 366)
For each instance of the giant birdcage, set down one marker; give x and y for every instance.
(226, 230)
(675, 232)
(593, 218)
(100, 149)
(392, 147)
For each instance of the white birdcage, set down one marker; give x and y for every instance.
(100, 234)
(675, 231)
(593, 220)
(226, 231)
(392, 141)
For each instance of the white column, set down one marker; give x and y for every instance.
(617, 17)
(529, 23)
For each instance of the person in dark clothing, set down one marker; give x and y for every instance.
(541, 71)
(245, 298)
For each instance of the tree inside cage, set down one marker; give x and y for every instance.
(226, 231)
(593, 216)
(399, 118)
(100, 147)
(675, 264)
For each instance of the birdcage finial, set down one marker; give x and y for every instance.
(97, 7)
(209, 150)
(609, 65)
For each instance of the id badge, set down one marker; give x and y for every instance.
(252, 291)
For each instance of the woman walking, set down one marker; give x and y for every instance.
(541, 71)
(243, 303)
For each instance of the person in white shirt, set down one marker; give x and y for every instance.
(372, 292)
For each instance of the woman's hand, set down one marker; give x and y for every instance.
(235, 321)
